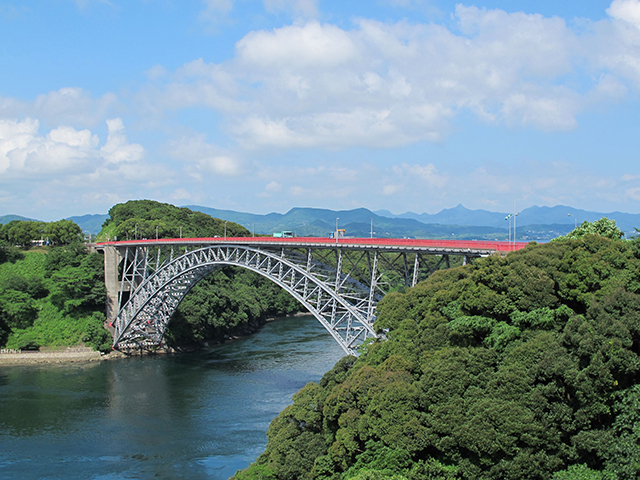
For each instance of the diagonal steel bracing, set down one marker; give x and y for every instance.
(340, 287)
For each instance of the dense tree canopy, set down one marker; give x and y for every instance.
(229, 301)
(524, 366)
(139, 219)
(23, 232)
(53, 297)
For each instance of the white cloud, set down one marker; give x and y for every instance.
(625, 10)
(206, 158)
(633, 193)
(384, 85)
(221, 165)
(117, 148)
(427, 173)
(273, 187)
(66, 106)
(390, 189)
(216, 10)
(314, 46)
(628, 177)
(25, 153)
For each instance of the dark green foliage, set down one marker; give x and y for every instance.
(9, 254)
(62, 232)
(23, 232)
(79, 289)
(96, 335)
(525, 366)
(139, 219)
(53, 297)
(229, 301)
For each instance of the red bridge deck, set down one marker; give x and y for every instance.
(400, 243)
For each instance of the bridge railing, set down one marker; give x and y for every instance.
(489, 245)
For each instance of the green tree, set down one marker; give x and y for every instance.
(22, 233)
(62, 232)
(603, 227)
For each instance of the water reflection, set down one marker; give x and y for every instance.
(201, 415)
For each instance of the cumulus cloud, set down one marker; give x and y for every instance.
(25, 153)
(205, 158)
(66, 106)
(389, 84)
(625, 10)
(117, 149)
(312, 46)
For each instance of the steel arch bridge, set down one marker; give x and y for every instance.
(338, 282)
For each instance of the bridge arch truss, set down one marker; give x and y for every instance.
(339, 285)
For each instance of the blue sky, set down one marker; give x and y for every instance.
(265, 105)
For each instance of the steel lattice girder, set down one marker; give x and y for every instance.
(345, 314)
(340, 287)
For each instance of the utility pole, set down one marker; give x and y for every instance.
(508, 217)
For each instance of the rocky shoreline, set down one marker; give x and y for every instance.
(71, 355)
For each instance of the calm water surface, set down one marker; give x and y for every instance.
(191, 416)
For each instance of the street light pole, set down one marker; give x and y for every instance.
(253, 229)
(225, 229)
(371, 226)
(156, 233)
(337, 218)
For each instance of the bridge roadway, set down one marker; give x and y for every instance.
(339, 281)
(459, 247)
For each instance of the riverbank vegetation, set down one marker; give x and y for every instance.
(524, 366)
(52, 296)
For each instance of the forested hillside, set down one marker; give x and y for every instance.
(52, 296)
(138, 219)
(521, 367)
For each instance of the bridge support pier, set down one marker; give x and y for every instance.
(112, 259)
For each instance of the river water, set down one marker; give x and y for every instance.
(189, 416)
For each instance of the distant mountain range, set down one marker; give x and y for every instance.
(529, 216)
(534, 223)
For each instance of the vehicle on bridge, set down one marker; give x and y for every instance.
(340, 233)
(284, 234)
